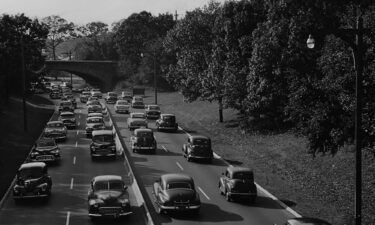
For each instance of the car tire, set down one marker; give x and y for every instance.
(195, 212)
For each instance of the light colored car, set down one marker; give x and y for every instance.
(56, 130)
(140, 115)
(111, 98)
(97, 94)
(66, 106)
(68, 118)
(137, 102)
(122, 106)
(126, 96)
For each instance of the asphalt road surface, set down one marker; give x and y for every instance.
(71, 178)
(215, 209)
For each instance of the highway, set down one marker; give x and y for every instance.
(215, 209)
(71, 178)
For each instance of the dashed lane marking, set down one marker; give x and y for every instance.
(205, 195)
(78, 123)
(74, 160)
(77, 132)
(71, 183)
(179, 165)
(76, 144)
(164, 148)
(67, 218)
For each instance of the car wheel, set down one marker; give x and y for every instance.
(195, 212)
(221, 192)
(188, 159)
(227, 196)
(17, 201)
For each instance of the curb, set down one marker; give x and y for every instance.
(7, 193)
(135, 186)
(287, 208)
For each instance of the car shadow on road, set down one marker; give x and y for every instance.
(208, 213)
(260, 202)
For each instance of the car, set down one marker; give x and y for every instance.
(111, 98)
(108, 197)
(32, 181)
(94, 109)
(93, 102)
(56, 130)
(71, 98)
(93, 123)
(137, 102)
(45, 150)
(137, 99)
(68, 118)
(134, 123)
(143, 139)
(66, 106)
(306, 221)
(198, 147)
(166, 122)
(103, 144)
(84, 97)
(176, 192)
(238, 183)
(122, 106)
(55, 94)
(126, 96)
(91, 98)
(139, 115)
(96, 114)
(152, 112)
(97, 94)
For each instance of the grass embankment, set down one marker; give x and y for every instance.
(320, 187)
(15, 144)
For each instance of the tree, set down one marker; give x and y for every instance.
(60, 30)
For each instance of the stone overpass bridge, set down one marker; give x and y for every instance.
(103, 74)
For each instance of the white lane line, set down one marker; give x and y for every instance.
(164, 148)
(76, 144)
(79, 117)
(77, 132)
(71, 183)
(80, 111)
(74, 160)
(67, 218)
(78, 123)
(287, 208)
(179, 165)
(200, 189)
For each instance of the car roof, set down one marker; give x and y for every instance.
(67, 113)
(122, 101)
(55, 121)
(307, 221)
(167, 114)
(234, 169)
(32, 165)
(142, 130)
(95, 114)
(137, 113)
(67, 101)
(102, 132)
(136, 119)
(95, 117)
(107, 178)
(176, 177)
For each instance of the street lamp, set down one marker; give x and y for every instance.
(155, 78)
(357, 49)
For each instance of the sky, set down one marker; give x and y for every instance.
(81, 12)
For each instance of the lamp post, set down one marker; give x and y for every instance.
(155, 78)
(357, 49)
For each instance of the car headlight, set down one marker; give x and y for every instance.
(43, 186)
(163, 199)
(124, 202)
(34, 154)
(55, 151)
(95, 202)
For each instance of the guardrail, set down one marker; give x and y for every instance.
(120, 147)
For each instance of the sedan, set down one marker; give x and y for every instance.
(122, 106)
(56, 130)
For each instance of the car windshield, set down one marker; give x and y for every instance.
(122, 103)
(154, 107)
(31, 173)
(243, 175)
(139, 123)
(201, 141)
(46, 143)
(55, 125)
(138, 103)
(67, 116)
(103, 138)
(108, 185)
(144, 134)
(138, 115)
(176, 185)
(94, 120)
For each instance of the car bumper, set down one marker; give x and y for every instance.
(56, 137)
(46, 159)
(103, 154)
(187, 207)
(110, 215)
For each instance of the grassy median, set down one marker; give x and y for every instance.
(320, 187)
(15, 144)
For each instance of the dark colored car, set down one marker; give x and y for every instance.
(84, 97)
(306, 221)
(111, 98)
(176, 192)
(94, 109)
(102, 144)
(56, 130)
(167, 122)
(94, 123)
(198, 147)
(152, 112)
(32, 181)
(108, 197)
(45, 150)
(238, 182)
(143, 140)
(68, 118)
(55, 94)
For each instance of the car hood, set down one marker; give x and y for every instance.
(110, 195)
(180, 194)
(46, 148)
(93, 125)
(100, 144)
(29, 183)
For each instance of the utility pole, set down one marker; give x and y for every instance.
(175, 15)
(23, 84)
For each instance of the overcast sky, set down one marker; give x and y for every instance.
(108, 11)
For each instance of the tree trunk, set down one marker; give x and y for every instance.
(54, 52)
(220, 110)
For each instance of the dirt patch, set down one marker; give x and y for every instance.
(320, 187)
(15, 144)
